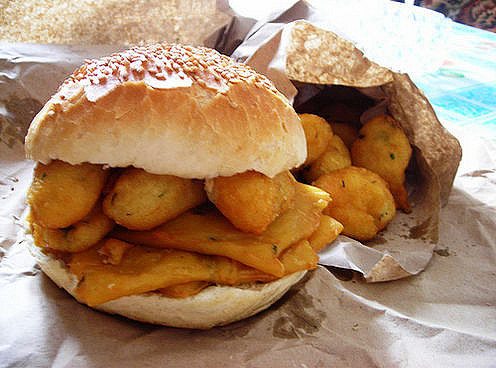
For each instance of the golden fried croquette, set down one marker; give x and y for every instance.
(251, 200)
(361, 201)
(62, 194)
(77, 237)
(335, 157)
(346, 131)
(384, 148)
(317, 133)
(141, 201)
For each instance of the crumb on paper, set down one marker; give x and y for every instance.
(442, 252)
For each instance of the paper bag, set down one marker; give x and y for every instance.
(302, 59)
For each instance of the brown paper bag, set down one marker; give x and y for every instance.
(303, 59)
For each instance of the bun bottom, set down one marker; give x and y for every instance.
(213, 306)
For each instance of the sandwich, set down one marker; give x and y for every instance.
(163, 191)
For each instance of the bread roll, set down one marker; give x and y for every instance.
(169, 109)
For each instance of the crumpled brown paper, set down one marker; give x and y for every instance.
(444, 316)
(299, 57)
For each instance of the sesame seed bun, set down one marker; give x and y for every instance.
(176, 110)
(169, 109)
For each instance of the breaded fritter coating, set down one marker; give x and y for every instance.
(383, 148)
(62, 194)
(77, 237)
(251, 200)
(361, 201)
(346, 131)
(318, 132)
(335, 157)
(140, 200)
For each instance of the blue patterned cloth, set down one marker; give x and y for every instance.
(463, 90)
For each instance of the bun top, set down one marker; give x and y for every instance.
(169, 109)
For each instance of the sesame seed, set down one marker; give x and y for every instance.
(183, 61)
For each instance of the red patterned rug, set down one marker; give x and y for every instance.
(476, 13)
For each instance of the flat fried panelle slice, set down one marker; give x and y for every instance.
(143, 269)
(328, 230)
(184, 290)
(299, 256)
(214, 235)
(208, 233)
(299, 222)
(172, 272)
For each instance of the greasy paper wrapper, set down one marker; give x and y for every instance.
(301, 53)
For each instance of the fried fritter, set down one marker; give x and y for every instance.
(298, 257)
(251, 200)
(213, 234)
(77, 237)
(141, 201)
(383, 148)
(318, 132)
(335, 157)
(361, 201)
(62, 194)
(346, 131)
